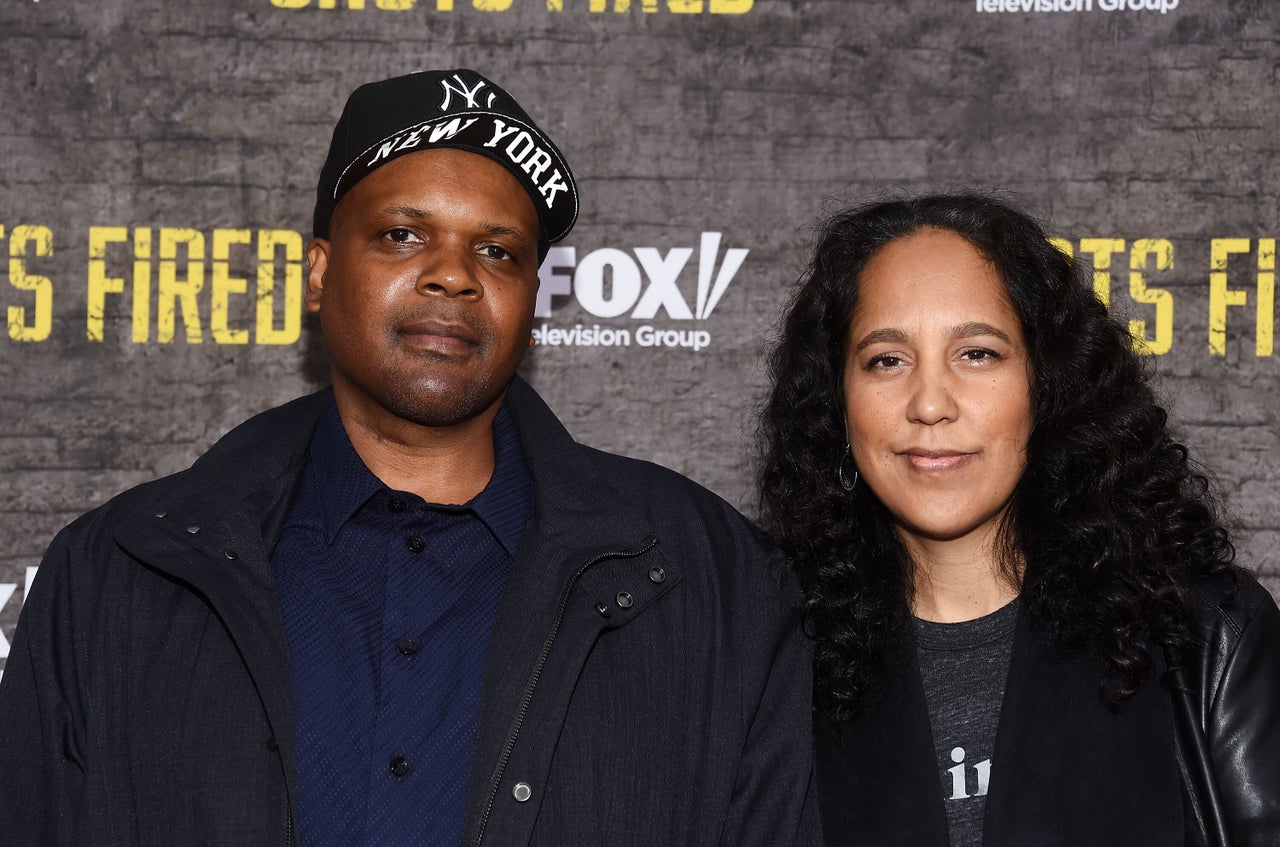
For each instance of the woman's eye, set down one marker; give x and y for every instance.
(884, 362)
(979, 355)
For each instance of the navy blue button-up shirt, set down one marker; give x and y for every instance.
(388, 602)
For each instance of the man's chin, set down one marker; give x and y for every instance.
(443, 405)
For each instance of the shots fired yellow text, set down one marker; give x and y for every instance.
(243, 286)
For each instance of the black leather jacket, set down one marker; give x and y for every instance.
(1069, 771)
(1227, 719)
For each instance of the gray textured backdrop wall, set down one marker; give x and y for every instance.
(158, 161)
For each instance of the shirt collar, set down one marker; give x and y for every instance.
(345, 483)
(506, 502)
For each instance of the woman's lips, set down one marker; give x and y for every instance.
(936, 461)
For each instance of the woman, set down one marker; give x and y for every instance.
(1027, 615)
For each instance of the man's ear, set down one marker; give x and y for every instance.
(318, 263)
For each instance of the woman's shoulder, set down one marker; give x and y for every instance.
(1236, 657)
(1229, 603)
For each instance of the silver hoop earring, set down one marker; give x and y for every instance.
(846, 483)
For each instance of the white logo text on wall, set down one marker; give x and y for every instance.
(642, 285)
(1029, 6)
(7, 590)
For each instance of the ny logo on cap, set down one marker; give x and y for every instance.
(469, 94)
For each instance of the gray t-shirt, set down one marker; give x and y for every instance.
(964, 667)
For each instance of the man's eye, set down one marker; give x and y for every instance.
(493, 251)
(401, 235)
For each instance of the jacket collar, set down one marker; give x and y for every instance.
(252, 472)
(215, 524)
(575, 506)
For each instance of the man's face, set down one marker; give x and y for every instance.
(425, 288)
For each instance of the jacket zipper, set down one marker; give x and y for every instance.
(509, 747)
(288, 822)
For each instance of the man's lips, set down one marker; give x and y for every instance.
(439, 336)
(936, 461)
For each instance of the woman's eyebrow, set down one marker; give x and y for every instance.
(881, 336)
(976, 328)
(972, 329)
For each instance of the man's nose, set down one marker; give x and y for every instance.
(450, 271)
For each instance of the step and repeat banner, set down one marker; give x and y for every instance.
(158, 161)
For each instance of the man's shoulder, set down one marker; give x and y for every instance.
(698, 526)
(580, 472)
(280, 431)
(265, 443)
(659, 490)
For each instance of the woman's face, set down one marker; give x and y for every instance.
(937, 388)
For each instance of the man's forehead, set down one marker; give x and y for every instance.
(434, 186)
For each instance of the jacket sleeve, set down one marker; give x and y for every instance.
(41, 767)
(774, 801)
(1244, 727)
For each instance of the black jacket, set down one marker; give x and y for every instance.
(1066, 769)
(646, 682)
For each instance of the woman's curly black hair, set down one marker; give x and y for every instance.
(1111, 518)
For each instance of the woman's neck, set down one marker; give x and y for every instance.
(957, 580)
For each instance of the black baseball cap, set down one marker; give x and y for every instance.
(455, 108)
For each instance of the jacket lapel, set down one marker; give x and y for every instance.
(877, 775)
(1067, 770)
(214, 527)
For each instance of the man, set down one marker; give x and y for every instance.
(410, 609)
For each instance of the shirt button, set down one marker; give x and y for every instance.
(521, 792)
(396, 505)
(624, 599)
(399, 766)
(415, 544)
(407, 646)
(657, 575)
